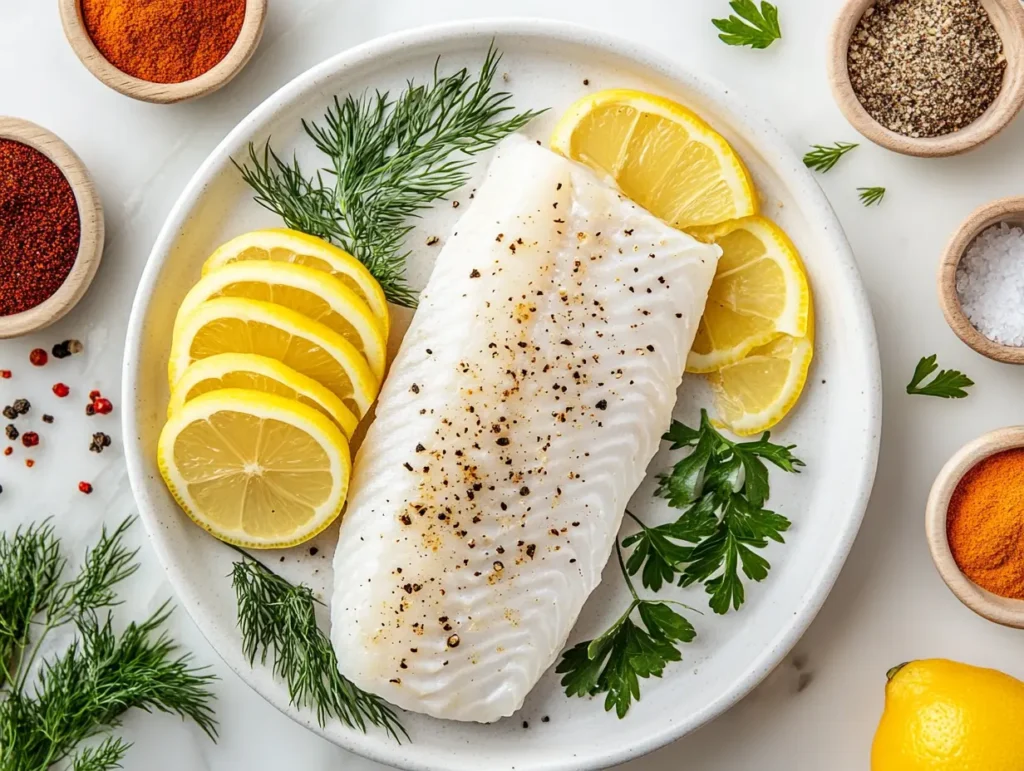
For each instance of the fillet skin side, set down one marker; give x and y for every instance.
(520, 414)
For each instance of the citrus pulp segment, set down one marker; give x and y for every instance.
(315, 294)
(255, 469)
(237, 325)
(252, 372)
(285, 245)
(660, 154)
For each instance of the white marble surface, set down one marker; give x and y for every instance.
(819, 709)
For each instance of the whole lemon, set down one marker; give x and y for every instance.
(944, 716)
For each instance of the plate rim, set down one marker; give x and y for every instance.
(795, 176)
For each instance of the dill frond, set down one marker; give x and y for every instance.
(387, 161)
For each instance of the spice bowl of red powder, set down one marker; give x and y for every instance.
(51, 228)
(975, 525)
(164, 51)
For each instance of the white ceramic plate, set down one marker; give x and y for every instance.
(836, 426)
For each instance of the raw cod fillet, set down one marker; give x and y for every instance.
(527, 399)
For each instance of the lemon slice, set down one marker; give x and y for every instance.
(258, 373)
(760, 291)
(313, 293)
(255, 469)
(756, 393)
(284, 245)
(237, 325)
(661, 155)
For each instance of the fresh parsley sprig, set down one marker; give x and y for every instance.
(616, 661)
(871, 196)
(722, 487)
(948, 384)
(823, 157)
(278, 619)
(757, 28)
(49, 706)
(388, 159)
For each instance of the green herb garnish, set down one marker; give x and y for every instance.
(722, 487)
(278, 619)
(750, 27)
(948, 384)
(870, 196)
(387, 161)
(49, 706)
(822, 157)
(614, 662)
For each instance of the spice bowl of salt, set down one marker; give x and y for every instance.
(981, 280)
(928, 77)
(51, 234)
(164, 51)
(974, 522)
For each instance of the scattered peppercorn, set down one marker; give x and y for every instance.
(90, 409)
(21, 406)
(8, 450)
(313, 551)
(11, 431)
(5, 374)
(47, 418)
(38, 357)
(10, 413)
(61, 390)
(66, 348)
(545, 719)
(99, 442)
(85, 487)
(30, 463)
(30, 439)
(103, 406)
(94, 395)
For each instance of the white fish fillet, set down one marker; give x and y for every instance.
(520, 414)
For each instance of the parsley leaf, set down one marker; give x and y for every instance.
(722, 487)
(948, 384)
(616, 661)
(751, 27)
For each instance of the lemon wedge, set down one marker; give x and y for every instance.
(255, 469)
(258, 373)
(760, 292)
(284, 245)
(660, 154)
(313, 293)
(238, 325)
(757, 392)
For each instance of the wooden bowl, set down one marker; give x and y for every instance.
(1008, 19)
(90, 213)
(1009, 210)
(164, 93)
(1002, 610)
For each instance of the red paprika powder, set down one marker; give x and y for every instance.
(39, 227)
(164, 41)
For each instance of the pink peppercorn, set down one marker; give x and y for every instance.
(61, 390)
(103, 406)
(85, 487)
(30, 439)
(38, 357)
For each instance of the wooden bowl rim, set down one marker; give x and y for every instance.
(164, 93)
(90, 215)
(1001, 610)
(998, 115)
(985, 216)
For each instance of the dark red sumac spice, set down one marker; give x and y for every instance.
(39, 227)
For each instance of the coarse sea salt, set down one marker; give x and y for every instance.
(990, 283)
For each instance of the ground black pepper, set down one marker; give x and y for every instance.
(924, 68)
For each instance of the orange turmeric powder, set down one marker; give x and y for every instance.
(985, 524)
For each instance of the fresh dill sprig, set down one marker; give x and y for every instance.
(822, 158)
(387, 161)
(750, 27)
(278, 619)
(870, 196)
(614, 662)
(948, 384)
(48, 707)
